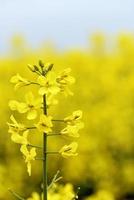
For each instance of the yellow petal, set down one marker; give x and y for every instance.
(13, 119)
(24, 150)
(29, 98)
(32, 114)
(22, 107)
(14, 79)
(77, 114)
(15, 137)
(13, 104)
(41, 80)
(69, 150)
(20, 139)
(54, 90)
(71, 131)
(43, 90)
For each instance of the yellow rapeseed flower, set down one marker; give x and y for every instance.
(19, 81)
(70, 131)
(75, 118)
(48, 84)
(13, 104)
(64, 80)
(15, 127)
(45, 124)
(20, 139)
(69, 150)
(29, 156)
(30, 107)
(76, 115)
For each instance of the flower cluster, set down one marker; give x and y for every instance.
(49, 85)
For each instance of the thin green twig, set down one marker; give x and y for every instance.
(55, 179)
(58, 120)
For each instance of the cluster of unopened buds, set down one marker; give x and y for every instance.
(48, 85)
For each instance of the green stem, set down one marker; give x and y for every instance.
(44, 154)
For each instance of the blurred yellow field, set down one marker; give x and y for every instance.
(104, 91)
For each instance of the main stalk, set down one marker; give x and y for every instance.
(44, 154)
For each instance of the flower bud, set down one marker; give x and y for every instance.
(41, 64)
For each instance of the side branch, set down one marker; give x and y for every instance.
(58, 120)
(31, 127)
(55, 179)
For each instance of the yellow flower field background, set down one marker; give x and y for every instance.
(104, 91)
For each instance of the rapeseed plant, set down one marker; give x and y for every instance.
(48, 86)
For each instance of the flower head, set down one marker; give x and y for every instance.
(45, 124)
(30, 106)
(48, 84)
(69, 150)
(20, 139)
(15, 127)
(74, 118)
(64, 80)
(19, 81)
(70, 131)
(29, 156)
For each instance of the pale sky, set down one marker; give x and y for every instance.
(66, 22)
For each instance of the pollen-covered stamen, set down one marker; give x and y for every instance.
(44, 125)
(30, 106)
